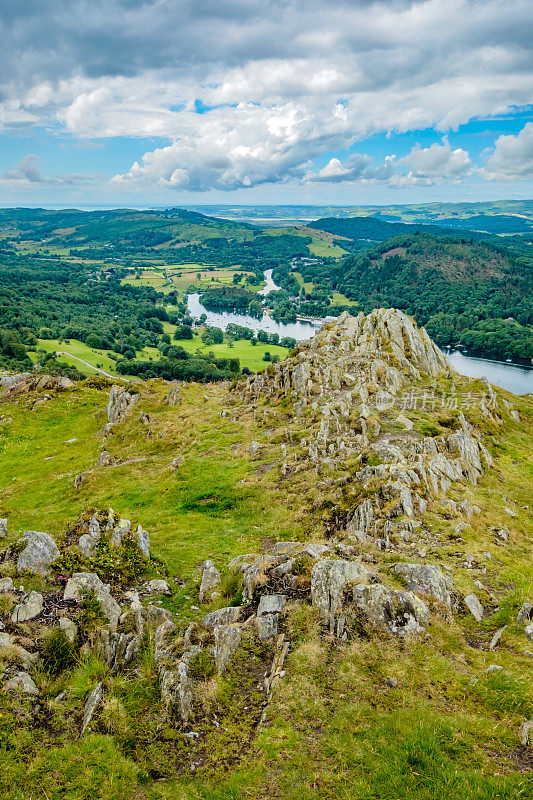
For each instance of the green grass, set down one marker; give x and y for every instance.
(249, 355)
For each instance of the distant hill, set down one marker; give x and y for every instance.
(377, 230)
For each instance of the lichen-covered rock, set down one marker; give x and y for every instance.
(39, 553)
(23, 683)
(142, 538)
(29, 608)
(93, 702)
(69, 628)
(427, 580)
(474, 606)
(6, 584)
(400, 612)
(121, 529)
(525, 613)
(157, 586)
(227, 641)
(329, 579)
(222, 616)
(3, 528)
(81, 582)
(210, 580)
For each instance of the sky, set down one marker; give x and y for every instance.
(181, 102)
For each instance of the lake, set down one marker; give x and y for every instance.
(514, 378)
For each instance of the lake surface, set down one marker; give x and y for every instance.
(512, 377)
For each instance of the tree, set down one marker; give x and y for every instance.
(93, 340)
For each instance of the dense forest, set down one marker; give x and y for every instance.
(464, 291)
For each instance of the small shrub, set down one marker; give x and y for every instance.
(113, 716)
(6, 604)
(201, 667)
(232, 588)
(91, 613)
(429, 429)
(58, 653)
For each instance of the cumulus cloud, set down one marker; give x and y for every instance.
(27, 172)
(512, 159)
(277, 82)
(433, 164)
(358, 167)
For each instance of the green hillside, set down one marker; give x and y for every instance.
(317, 467)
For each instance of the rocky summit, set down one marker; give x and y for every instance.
(323, 569)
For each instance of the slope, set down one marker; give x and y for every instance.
(355, 498)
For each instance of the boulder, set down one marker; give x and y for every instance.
(39, 553)
(401, 613)
(223, 616)
(89, 581)
(3, 528)
(329, 579)
(23, 683)
(157, 586)
(525, 613)
(105, 459)
(268, 611)
(6, 584)
(210, 580)
(426, 580)
(142, 538)
(474, 606)
(29, 608)
(121, 529)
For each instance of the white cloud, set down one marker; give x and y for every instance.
(512, 159)
(430, 165)
(281, 82)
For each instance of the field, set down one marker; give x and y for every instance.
(178, 277)
(250, 356)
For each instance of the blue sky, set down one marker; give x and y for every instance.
(282, 101)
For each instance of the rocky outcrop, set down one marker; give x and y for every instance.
(329, 579)
(120, 404)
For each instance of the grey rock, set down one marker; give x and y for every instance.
(121, 529)
(528, 630)
(267, 626)
(316, 550)
(157, 586)
(87, 544)
(402, 613)
(210, 580)
(525, 613)
(270, 604)
(3, 528)
(120, 404)
(30, 607)
(22, 682)
(142, 538)
(105, 459)
(329, 579)
(427, 580)
(223, 616)
(496, 638)
(525, 732)
(173, 397)
(493, 668)
(70, 628)
(94, 700)
(83, 581)
(155, 615)
(227, 641)
(392, 683)
(474, 606)
(39, 554)
(6, 585)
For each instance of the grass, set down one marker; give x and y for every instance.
(249, 355)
